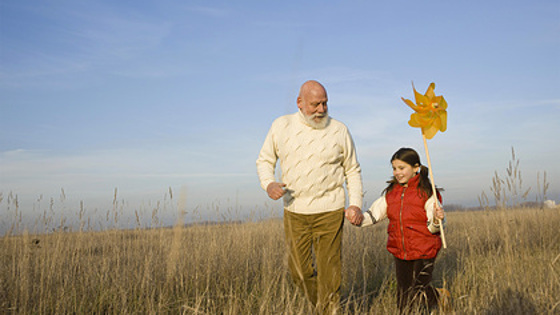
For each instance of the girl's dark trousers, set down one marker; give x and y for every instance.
(413, 284)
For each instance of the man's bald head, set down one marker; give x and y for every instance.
(311, 86)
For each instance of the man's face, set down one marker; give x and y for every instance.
(313, 104)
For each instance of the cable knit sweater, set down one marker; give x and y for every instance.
(315, 163)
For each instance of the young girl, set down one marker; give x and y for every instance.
(414, 240)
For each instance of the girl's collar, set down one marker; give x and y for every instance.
(415, 179)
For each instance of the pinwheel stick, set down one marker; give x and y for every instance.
(434, 188)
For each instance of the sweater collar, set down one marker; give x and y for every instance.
(413, 181)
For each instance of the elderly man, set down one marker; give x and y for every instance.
(317, 156)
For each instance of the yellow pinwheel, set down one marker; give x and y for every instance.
(430, 112)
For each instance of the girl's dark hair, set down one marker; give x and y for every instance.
(411, 157)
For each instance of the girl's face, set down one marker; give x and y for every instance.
(403, 171)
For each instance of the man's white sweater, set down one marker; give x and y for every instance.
(315, 163)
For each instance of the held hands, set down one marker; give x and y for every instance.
(275, 190)
(354, 215)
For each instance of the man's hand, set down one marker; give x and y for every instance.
(354, 215)
(275, 190)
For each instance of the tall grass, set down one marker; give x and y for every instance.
(497, 262)
(508, 190)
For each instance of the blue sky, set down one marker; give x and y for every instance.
(142, 96)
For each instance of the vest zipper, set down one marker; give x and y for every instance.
(400, 217)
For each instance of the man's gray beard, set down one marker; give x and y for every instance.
(317, 125)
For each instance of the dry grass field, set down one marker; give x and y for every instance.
(497, 262)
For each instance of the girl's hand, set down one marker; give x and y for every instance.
(439, 213)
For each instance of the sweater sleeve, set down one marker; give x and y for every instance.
(266, 162)
(375, 213)
(352, 172)
(433, 226)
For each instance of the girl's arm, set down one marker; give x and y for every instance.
(375, 213)
(433, 223)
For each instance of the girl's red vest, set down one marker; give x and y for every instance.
(409, 237)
